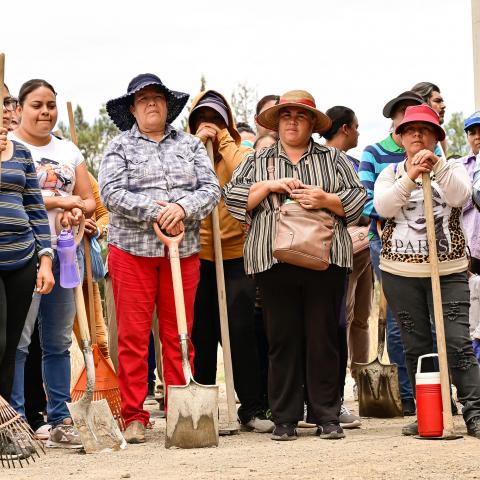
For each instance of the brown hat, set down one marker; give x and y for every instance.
(295, 98)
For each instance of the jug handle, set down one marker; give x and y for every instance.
(419, 363)
(80, 231)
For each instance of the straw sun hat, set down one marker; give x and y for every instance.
(299, 99)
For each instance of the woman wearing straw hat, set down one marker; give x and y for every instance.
(404, 259)
(301, 305)
(151, 172)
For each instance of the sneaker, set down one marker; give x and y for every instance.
(347, 419)
(408, 405)
(284, 432)
(135, 432)
(64, 435)
(43, 432)
(303, 423)
(473, 427)
(330, 431)
(258, 424)
(410, 429)
(16, 446)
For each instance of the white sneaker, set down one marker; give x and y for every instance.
(347, 419)
(43, 432)
(258, 425)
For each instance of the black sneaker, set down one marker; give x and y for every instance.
(330, 431)
(285, 432)
(473, 427)
(411, 429)
(409, 409)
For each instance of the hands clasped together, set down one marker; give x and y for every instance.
(309, 197)
(422, 162)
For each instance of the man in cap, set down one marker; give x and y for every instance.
(374, 159)
(211, 119)
(150, 173)
(471, 216)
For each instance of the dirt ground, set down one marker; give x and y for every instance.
(375, 451)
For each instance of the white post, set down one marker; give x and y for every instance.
(476, 50)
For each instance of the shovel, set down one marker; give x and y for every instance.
(192, 419)
(378, 389)
(448, 428)
(94, 421)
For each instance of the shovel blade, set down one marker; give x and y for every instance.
(192, 420)
(96, 426)
(378, 390)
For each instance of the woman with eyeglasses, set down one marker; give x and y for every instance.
(63, 179)
(24, 244)
(404, 259)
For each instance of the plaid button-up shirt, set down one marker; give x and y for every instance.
(137, 171)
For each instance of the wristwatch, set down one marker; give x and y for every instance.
(46, 251)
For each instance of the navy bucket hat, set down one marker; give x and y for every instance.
(119, 108)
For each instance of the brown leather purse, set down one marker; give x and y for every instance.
(359, 236)
(303, 237)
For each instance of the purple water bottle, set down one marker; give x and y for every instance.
(67, 253)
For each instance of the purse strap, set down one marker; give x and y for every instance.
(271, 176)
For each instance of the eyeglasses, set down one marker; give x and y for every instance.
(410, 130)
(10, 104)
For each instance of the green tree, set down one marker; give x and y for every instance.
(244, 101)
(456, 138)
(92, 139)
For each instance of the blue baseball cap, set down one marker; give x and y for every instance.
(472, 120)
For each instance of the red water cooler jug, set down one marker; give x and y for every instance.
(429, 401)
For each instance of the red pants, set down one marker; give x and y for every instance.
(138, 283)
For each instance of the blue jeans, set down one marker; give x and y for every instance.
(396, 353)
(56, 315)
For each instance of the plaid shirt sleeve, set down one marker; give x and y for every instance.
(113, 180)
(199, 203)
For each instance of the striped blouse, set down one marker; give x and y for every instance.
(321, 166)
(23, 218)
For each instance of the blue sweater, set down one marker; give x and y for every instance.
(23, 218)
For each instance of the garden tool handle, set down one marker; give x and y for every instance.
(172, 243)
(448, 428)
(91, 303)
(81, 227)
(222, 307)
(382, 323)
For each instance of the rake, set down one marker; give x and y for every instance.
(17, 440)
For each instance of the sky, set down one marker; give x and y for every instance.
(357, 53)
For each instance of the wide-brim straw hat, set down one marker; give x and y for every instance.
(422, 113)
(299, 99)
(119, 108)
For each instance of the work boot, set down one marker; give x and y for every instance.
(135, 432)
(284, 432)
(408, 406)
(410, 429)
(64, 435)
(150, 399)
(473, 427)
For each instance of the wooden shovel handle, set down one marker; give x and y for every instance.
(448, 429)
(172, 243)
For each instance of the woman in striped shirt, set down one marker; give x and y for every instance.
(301, 306)
(24, 242)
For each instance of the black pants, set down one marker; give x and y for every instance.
(302, 309)
(35, 398)
(240, 291)
(475, 265)
(411, 300)
(16, 289)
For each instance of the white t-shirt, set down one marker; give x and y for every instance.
(55, 164)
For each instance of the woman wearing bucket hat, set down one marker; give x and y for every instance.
(404, 257)
(301, 305)
(151, 172)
